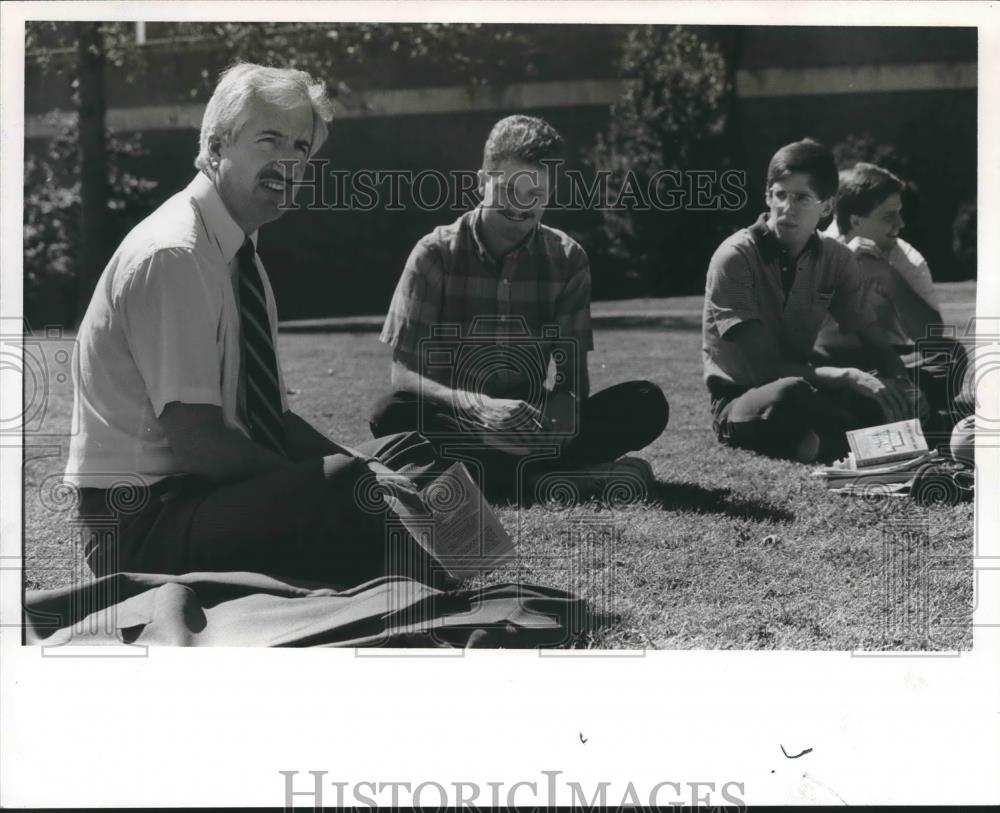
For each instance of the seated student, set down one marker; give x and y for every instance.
(769, 287)
(897, 282)
(497, 270)
(188, 457)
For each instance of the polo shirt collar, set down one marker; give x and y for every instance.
(768, 245)
(219, 223)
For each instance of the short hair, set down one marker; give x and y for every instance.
(809, 157)
(242, 83)
(523, 138)
(862, 189)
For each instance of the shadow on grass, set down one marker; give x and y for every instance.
(669, 496)
(693, 497)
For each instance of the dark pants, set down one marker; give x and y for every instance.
(321, 520)
(620, 419)
(772, 418)
(938, 366)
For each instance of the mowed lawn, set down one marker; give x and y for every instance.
(731, 550)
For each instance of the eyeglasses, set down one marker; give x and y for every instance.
(801, 200)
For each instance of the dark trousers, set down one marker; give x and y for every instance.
(938, 366)
(620, 419)
(321, 520)
(772, 418)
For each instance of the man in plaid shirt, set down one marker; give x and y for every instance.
(482, 308)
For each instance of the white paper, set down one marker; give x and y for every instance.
(455, 524)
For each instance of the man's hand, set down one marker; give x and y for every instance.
(396, 485)
(865, 245)
(388, 477)
(507, 424)
(886, 392)
(505, 415)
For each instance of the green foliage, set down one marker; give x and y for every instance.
(864, 148)
(52, 211)
(671, 117)
(856, 149)
(329, 51)
(51, 46)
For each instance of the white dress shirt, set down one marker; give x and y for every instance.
(163, 325)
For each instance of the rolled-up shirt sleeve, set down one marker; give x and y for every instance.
(851, 304)
(170, 318)
(729, 290)
(416, 304)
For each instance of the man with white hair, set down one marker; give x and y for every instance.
(186, 447)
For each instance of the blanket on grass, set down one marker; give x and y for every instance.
(250, 609)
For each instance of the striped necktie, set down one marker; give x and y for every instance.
(263, 398)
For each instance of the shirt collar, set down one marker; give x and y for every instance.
(219, 223)
(768, 245)
(477, 240)
(476, 227)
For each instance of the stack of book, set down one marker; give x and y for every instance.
(883, 459)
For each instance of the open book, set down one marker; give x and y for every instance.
(452, 521)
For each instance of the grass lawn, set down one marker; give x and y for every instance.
(732, 551)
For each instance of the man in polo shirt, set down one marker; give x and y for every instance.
(898, 284)
(768, 289)
(501, 279)
(188, 457)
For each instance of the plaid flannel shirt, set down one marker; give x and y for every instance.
(470, 322)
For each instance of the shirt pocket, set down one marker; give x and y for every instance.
(811, 320)
(820, 307)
